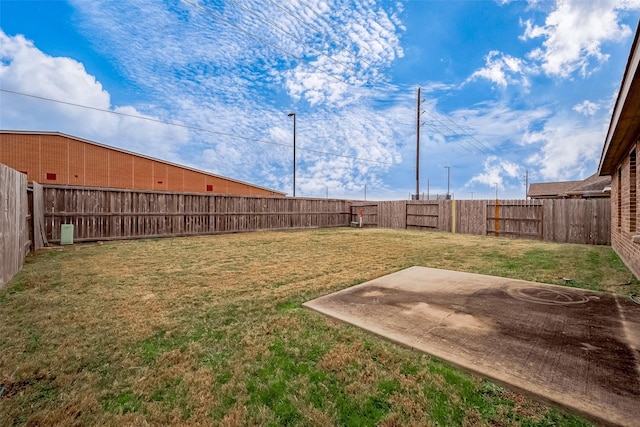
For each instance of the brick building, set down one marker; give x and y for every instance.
(619, 159)
(56, 158)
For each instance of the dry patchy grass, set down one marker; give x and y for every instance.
(210, 330)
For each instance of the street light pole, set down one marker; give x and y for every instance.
(294, 152)
(448, 181)
(418, 148)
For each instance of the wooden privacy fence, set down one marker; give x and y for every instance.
(563, 220)
(112, 214)
(35, 219)
(517, 218)
(14, 233)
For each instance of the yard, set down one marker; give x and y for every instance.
(210, 330)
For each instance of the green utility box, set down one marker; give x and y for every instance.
(66, 234)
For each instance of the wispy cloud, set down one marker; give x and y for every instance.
(216, 66)
(239, 67)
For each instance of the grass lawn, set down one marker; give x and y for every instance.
(210, 331)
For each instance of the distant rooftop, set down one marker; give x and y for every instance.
(594, 186)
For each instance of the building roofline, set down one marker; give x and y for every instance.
(625, 87)
(97, 144)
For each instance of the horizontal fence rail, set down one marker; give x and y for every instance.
(111, 214)
(585, 221)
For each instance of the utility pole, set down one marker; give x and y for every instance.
(526, 185)
(418, 146)
(428, 188)
(448, 168)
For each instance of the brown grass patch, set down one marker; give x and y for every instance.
(210, 331)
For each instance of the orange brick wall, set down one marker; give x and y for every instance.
(192, 183)
(120, 173)
(77, 166)
(142, 173)
(76, 162)
(96, 167)
(621, 234)
(175, 178)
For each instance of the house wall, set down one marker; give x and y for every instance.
(624, 212)
(61, 160)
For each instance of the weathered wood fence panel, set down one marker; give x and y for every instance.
(423, 215)
(369, 213)
(392, 214)
(37, 230)
(515, 218)
(471, 218)
(578, 221)
(14, 232)
(104, 214)
(565, 220)
(111, 214)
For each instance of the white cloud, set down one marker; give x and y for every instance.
(586, 108)
(26, 69)
(498, 171)
(359, 42)
(567, 148)
(194, 69)
(303, 44)
(490, 126)
(503, 70)
(573, 34)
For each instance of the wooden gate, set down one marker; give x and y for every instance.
(369, 214)
(422, 216)
(515, 219)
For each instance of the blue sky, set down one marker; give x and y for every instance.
(507, 87)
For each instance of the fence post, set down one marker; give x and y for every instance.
(497, 219)
(453, 216)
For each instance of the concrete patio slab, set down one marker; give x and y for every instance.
(577, 348)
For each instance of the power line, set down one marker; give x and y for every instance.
(441, 133)
(220, 18)
(200, 129)
(480, 149)
(471, 136)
